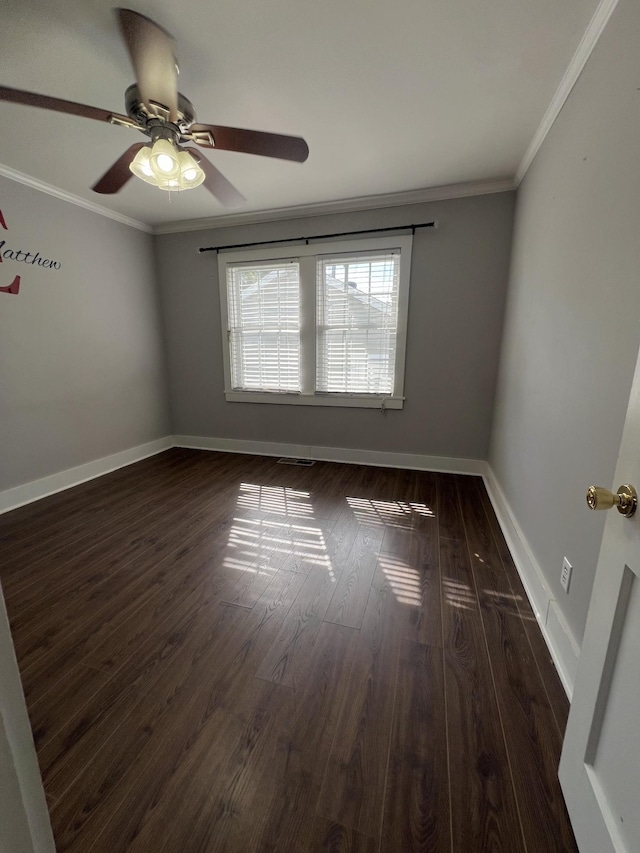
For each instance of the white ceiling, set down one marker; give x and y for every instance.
(390, 96)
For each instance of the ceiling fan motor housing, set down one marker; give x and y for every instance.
(154, 115)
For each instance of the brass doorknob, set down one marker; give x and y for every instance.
(625, 499)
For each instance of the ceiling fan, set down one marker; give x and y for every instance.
(156, 108)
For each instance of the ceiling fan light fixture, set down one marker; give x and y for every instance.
(156, 172)
(156, 108)
(191, 174)
(163, 161)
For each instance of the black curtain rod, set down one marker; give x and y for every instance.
(321, 236)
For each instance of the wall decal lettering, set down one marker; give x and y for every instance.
(27, 257)
(23, 257)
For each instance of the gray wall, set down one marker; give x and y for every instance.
(82, 371)
(572, 328)
(458, 281)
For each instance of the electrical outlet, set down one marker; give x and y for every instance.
(565, 574)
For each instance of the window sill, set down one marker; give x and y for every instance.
(351, 401)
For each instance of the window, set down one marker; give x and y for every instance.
(323, 326)
(264, 325)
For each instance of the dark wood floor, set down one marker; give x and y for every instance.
(223, 653)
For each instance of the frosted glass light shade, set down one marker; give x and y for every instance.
(141, 166)
(163, 161)
(191, 175)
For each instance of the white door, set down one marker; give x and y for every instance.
(600, 765)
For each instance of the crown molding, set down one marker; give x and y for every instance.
(41, 186)
(589, 40)
(371, 202)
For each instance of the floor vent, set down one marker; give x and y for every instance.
(288, 460)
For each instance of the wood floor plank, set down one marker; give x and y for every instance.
(263, 554)
(350, 595)
(112, 604)
(59, 564)
(237, 799)
(220, 789)
(449, 512)
(555, 691)
(416, 809)
(113, 772)
(422, 500)
(353, 789)
(305, 743)
(412, 567)
(78, 728)
(287, 660)
(49, 713)
(484, 813)
(75, 534)
(236, 661)
(329, 502)
(533, 741)
(319, 697)
(28, 524)
(338, 537)
(330, 837)
(110, 556)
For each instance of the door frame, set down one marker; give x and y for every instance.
(24, 817)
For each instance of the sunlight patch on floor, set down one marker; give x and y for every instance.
(288, 531)
(403, 580)
(275, 499)
(460, 595)
(389, 513)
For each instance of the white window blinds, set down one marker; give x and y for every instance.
(264, 325)
(357, 320)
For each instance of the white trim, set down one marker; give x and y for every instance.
(560, 638)
(379, 458)
(49, 189)
(29, 492)
(589, 40)
(563, 647)
(348, 205)
(344, 401)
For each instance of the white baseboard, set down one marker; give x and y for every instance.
(563, 647)
(20, 495)
(563, 644)
(29, 492)
(380, 458)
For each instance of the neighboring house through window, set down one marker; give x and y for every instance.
(322, 325)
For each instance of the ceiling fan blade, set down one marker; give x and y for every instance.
(153, 57)
(31, 99)
(118, 175)
(216, 182)
(250, 141)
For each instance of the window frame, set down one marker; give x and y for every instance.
(306, 255)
